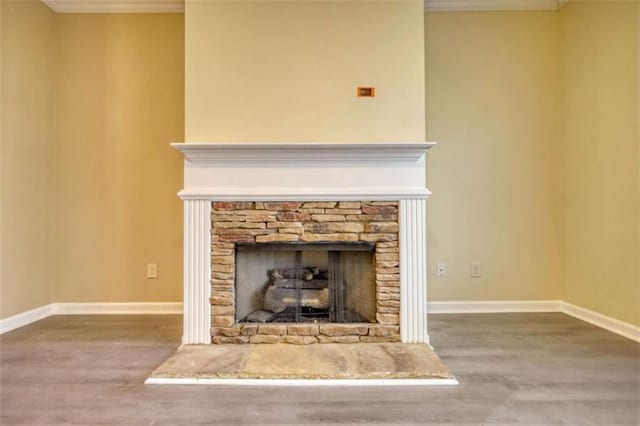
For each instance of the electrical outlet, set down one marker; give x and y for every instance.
(475, 269)
(152, 270)
(441, 269)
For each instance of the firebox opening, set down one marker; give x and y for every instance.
(305, 283)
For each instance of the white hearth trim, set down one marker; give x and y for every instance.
(303, 152)
(303, 194)
(300, 382)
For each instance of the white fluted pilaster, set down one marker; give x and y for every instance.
(413, 271)
(197, 272)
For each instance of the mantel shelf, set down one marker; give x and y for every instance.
(304, 152)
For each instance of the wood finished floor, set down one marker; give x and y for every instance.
(513, 369)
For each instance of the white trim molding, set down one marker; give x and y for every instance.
(413, 271)
(115, 6)
(303, 194)
(137, 308)
(622, 328)
(178, 6)
(26, 318)
(197, 272)
(491, 5)
(37, 314)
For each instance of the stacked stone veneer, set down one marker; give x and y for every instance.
(331, 221)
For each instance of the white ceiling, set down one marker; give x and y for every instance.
(177, 6)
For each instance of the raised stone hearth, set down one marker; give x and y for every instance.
(365, 201)
(220, 363)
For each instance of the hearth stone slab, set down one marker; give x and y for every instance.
(282, 361)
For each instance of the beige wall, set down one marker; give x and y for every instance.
(492, 95)
(600, 157)
(536, 174)
(28, 87)
(288, 71)
(119, 105)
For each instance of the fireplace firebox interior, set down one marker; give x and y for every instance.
(305, 283)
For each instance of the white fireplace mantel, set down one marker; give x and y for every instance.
(390, 171)
(303, 152)
(312, 171)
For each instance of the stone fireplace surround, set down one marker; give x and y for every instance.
(285, 179)
(312, 221)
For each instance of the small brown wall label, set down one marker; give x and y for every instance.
(366, 92)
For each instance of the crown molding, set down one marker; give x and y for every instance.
(491, 5)
(115, 6)
(177, 6)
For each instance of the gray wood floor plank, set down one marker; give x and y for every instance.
(513, 369)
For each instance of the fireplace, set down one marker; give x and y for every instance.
(305, 243)
(305, 283)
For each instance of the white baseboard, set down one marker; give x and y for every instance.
(117, 308)
(622, 328)
(25, 318)
(491, 306)
(627, 330)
